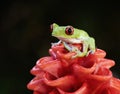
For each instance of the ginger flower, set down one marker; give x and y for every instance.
(58, 73)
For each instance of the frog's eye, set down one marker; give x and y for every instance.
(51, 27)
(69, 30)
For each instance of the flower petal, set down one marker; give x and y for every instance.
(82, 90)
(65, 83)
(51, 66)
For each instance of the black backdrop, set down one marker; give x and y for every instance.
(25, 35)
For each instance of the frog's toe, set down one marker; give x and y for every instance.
(90, 52)
(78, 55)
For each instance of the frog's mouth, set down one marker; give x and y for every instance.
(70, 40)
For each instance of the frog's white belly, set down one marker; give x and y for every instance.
(71, 40)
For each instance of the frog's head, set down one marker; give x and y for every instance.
(66, 32)
(61, 31)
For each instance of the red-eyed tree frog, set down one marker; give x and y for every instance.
(68, 35)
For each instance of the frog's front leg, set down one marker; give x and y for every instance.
(83, 52)
(72, 48)
(78, 52)
(68, 47)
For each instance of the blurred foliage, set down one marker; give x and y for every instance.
(25, 35)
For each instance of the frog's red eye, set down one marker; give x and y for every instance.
(69, 30)
(51, 27)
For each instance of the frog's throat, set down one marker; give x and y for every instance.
(70, 40)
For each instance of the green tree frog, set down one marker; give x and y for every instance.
(69, 35)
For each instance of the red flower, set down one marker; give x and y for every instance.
(59, 74)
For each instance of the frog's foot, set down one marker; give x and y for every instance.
(68, 47)
(79, 54)
(55, 44)
(90, 52)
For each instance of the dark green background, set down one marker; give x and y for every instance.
(25, 35)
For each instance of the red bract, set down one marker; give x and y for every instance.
(59, 73)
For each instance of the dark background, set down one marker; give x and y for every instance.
(25, 35)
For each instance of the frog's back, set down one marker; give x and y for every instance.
(80, 33)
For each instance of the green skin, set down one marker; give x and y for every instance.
(78, 36)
